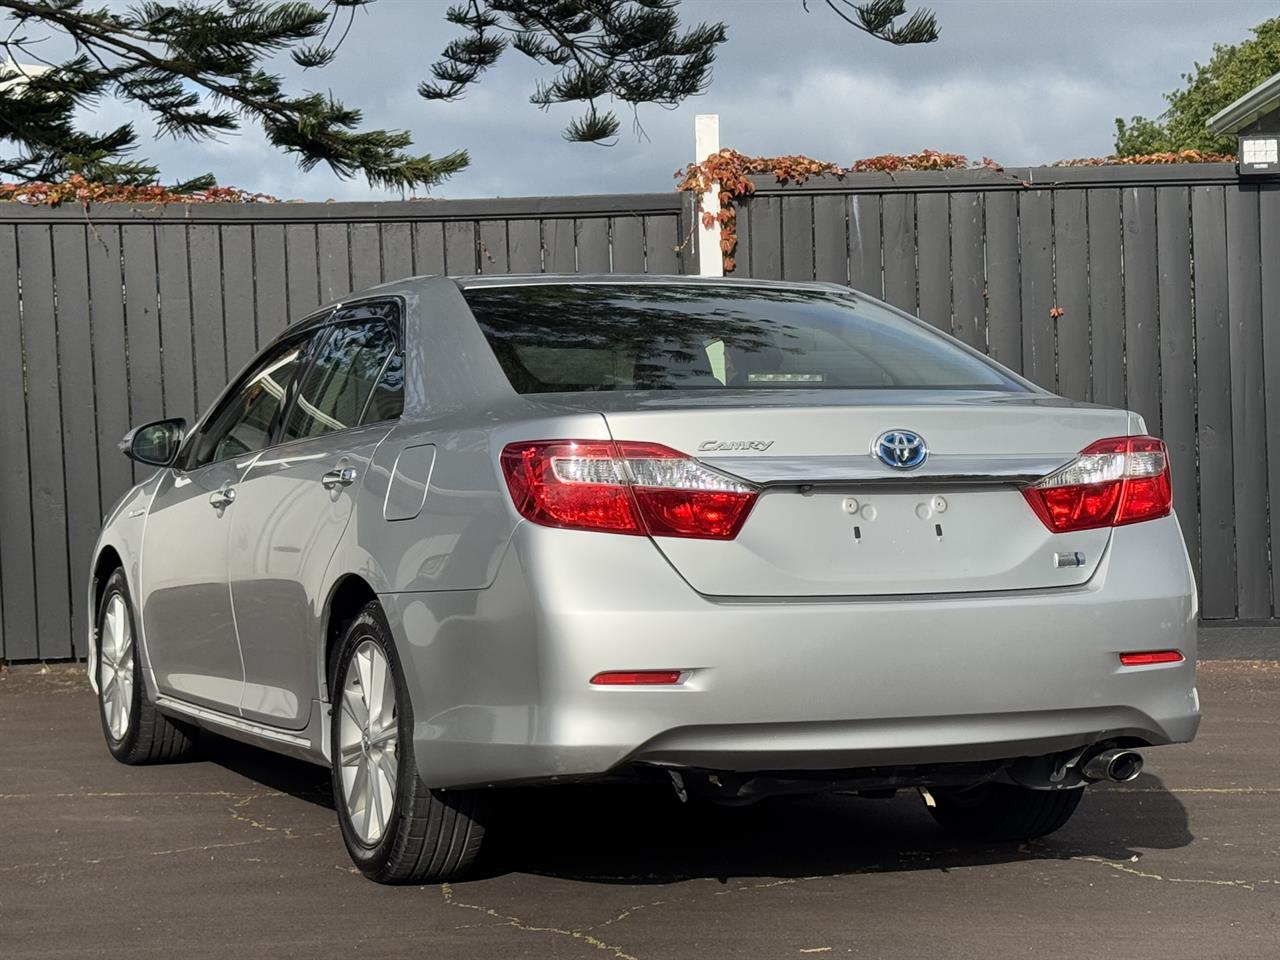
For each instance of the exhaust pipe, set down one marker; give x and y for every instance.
(1117, 765)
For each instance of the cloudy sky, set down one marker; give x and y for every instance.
(1022, 81)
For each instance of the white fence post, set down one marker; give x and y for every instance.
(706, 141)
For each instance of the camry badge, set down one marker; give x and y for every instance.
(900, 449)
(708, 445)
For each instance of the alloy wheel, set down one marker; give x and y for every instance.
(115, 677)
(368, 742)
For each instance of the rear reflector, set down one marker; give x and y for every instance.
(635, 678)
(624, 487)
(1148, 657)
(1112, 482)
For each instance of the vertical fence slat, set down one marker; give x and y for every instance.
(1141, 325)
(524, 243)
(110, 362)
(207, 314)
(17, 560)
(740, 257)
(304, 272)
(366, 256)
(1213, 382)
(1269, 211)
(968, 305)
(428, 249)
(397, 251)
(831, 238)
(333, 260)
(1177, 349)
(593, 245)
(1004, 296)
(269, 281)
(1106, 311)
(661, 234)
(239, 309)
(176, 329)
(493, 247)
(766, 238)
(797, 238)
(1071, 292)
(1035, 217)
(628, 244)
(898, 228)
(557, 234)
(79, 431)
(866, 272)
(460, 247)
(1248, 412)
(682, 225)
(142, 327)
(933, 239)
(48, 490)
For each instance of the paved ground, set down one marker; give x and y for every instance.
(238, 855)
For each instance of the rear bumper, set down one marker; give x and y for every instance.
(499, 677)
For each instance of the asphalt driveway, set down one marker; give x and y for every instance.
(238, 855)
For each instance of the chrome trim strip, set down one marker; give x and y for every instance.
(939, 468)
(234, 723)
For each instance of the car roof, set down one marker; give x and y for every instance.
(647, 279)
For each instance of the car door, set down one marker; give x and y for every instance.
(186, 607)
(295, 502)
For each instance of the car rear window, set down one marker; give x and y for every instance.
(558, 338)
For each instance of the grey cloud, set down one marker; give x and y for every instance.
(1024, 82)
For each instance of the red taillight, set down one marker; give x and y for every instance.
(635, 678)
(624, 487)
(1148, 657)
(1112, 482)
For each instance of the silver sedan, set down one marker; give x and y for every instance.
(737, 537)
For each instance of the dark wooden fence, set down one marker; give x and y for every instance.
(1144, 287)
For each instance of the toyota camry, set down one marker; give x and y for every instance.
(740, 538)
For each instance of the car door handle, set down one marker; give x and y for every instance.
(222, 499)
(339, 478)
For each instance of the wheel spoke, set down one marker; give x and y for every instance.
(356, 792)
(364, 669)
(351, 754)
(379, 818)
(111, 624)
(115, 715)
(387, 764)
(377, 687)
(368, 803)
(354, 708)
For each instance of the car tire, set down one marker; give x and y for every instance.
(396, 828)
(135, 731)
(1002, 811)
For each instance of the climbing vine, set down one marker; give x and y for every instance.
(76, 189)
(733, 171)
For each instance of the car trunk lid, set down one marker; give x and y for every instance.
(833, 520)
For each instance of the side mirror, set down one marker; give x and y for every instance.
(155, 444)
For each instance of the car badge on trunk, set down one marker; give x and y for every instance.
(900, 449)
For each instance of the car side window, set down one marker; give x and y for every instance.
(244, 422)
(346, 368)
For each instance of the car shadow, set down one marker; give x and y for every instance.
(642, 834)
(297, 778)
